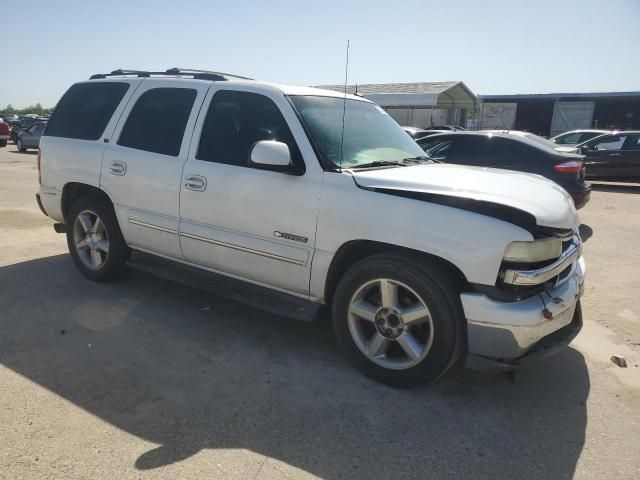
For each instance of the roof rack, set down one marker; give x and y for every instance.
(189, 71)
(196, 74)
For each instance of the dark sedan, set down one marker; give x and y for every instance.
(613, 156)
(30, 138)
(511, 152)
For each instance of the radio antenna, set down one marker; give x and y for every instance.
(344, 103)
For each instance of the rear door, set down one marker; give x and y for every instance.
(142, 166)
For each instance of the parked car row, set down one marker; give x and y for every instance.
(609, 154)
(20, 123)
(512, 151)
(567, 159)
(25, 133)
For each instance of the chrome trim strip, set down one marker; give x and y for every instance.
(150, 225)
(293, 261)
(536, 277)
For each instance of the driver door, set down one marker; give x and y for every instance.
(630, 157)
(604, 156)
(250, 223)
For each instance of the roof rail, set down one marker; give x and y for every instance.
(188, 71)
(197, 74)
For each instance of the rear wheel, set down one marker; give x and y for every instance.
(20, 146)
(400, 324)
(95, 241)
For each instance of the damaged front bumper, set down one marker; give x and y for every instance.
(508, 333)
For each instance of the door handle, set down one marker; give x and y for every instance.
(197, 183)
(118, 168)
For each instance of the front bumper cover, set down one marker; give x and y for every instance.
(507, 333)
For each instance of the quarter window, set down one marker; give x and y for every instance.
(158, 120)
(235, 122)
(85, 109)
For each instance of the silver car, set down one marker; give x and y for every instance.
(30, 138)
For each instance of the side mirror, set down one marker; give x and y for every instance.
(271, 155)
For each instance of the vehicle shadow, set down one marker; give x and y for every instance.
(615, 187)
(191, 371)
(28, 152)
(586, 232)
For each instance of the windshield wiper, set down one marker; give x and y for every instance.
(405, 162)
(380, 163)
(423, 158)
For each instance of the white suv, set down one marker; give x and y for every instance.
(293, 198)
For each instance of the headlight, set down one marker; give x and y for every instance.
(532, 252)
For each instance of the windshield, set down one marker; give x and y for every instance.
(371, 136)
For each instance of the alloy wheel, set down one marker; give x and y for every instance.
(91, 239)
(390, 323)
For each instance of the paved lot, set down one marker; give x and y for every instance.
(148, 379)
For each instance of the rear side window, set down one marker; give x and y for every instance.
(632, 143)
(158, 120)
(459, 149)
(84, 111)
(436, 148)
(609, 143)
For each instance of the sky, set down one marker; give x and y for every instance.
(495, 47)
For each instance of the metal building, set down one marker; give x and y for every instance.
(550, 114)
(420, 104)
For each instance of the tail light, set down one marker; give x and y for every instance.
(38, 165)
(573, 166)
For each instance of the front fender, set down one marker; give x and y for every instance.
(473, 242)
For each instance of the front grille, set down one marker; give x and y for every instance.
(568, 240)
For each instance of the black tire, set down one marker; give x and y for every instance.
(440, 292)
(20, 146)
(3, 143)
(114, 262)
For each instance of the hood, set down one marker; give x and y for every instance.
(549, 203)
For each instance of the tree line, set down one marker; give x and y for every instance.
(36, 109)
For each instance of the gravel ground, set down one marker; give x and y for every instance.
(149, 379)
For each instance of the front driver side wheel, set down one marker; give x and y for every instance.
(20, 146)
